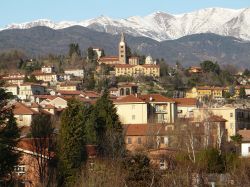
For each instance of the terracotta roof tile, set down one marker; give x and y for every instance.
(144, 129)
(245, 135)
(155, 98)
(185, 101)
(128, 99)
(21, 109)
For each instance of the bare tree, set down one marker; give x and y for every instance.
(43, 145)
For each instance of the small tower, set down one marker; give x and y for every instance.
(122, 50)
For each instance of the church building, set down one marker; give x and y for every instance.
(125, 66)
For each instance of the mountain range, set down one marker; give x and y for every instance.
(216, 34)
(188, 50)
(162, 26)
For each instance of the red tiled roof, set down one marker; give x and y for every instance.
(34, 105)
(245, 135)
(109, 58)
(150, 66)
(65, 92)
(185, 101)
(21, 109)
(124, 65)
(126, 85)
(155, 98)
(128, 99)
(49, 106)
(144, 129)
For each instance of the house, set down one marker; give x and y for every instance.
(206, 91)
(211, 131)
(195, 70)
(236, 118)
(14, 78)
(28, 90)
(145, 136)
(109, 60)
(185, 107)
(245, 142)
(12, 88)
(23, 114)
(45, 77)
(131, 110)
(124, 89)
(75, 72)
(68, 86)
(47, 69)
(160, 109)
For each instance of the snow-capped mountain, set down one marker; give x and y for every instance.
(162, 26)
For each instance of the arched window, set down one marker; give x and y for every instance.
(121, 91)
(127, 91)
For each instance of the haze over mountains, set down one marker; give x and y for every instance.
(216, 34)
(162, 26)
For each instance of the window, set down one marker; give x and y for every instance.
(133, 117)
(231, 125)
(231, 115)
(139, 140)
(129, 141)
(162, 164)
(20, 169)
(20, 117)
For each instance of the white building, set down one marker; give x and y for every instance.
(75, 72)
(28, 90)
(245, 144)
(149, 60)
(47, 69)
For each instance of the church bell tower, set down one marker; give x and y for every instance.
(122, 50)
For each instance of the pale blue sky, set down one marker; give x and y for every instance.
(18, 11)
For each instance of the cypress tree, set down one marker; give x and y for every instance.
(9, 134)
(72, 152)
(109, 131)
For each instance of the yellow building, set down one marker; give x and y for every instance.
(206, 91)
(137, 70)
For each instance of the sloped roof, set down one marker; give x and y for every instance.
(185, 101)
(128, 99)
(21, 109)
(144, 129)
(245, 135)
(155, 98)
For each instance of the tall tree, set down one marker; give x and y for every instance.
(9, 134)
(44, 146)
(242, 93)
(109, 131)
(72, 151)
(74, 48)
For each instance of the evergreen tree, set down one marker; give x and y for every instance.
(242, 93)
(74, 48)
(9, 134)
(109, 131)
(72, 151)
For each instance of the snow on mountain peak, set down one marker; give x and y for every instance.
(163, 26)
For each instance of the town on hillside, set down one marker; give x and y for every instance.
(84, 107)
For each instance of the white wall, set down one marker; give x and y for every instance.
(127, 111)
(244, 149)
